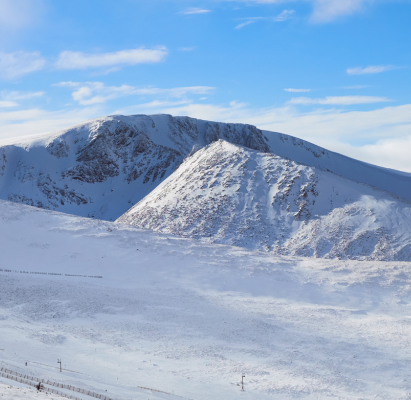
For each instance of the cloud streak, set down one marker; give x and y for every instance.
(373, 69)
(15, 95)
(7, 104)
(339, 100)
(324, 11)
(329, 10)
(90, 93)
(78, 60)
(286, 14)
(28, 122)
(194, 10)
(243, 24)
(15, 65)
(291, 90)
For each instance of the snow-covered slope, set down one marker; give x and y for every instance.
(307, 153)
(182, 316)
(9, 392)
(233, 195)
(103, 167)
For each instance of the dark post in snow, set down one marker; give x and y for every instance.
(59, 362)
(242, 383)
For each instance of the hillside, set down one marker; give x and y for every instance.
(101, 168)
(178, 315)
(232, 195)
(105, 166)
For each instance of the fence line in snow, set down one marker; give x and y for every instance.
(44, 389)
(55, 384)
(28, 378)
(15, 271)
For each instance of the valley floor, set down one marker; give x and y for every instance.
(189, 318)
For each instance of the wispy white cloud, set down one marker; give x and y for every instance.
(15, 95)
(328, 10)
(90, 93)
(27, 122)
(7, 104)
(353, 87)
(324, 10)
(297, 90)
(243, 24)
(339, 100)
(78, 60)
(286, 14)
(187, 48)
(373, 69)
(194, 10)
(14, 65)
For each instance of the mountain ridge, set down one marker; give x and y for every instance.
(73, 170)
(228, 194)
(110, 166)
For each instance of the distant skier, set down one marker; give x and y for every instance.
(39, 387)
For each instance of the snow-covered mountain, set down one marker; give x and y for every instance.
(233, 195)
(103, 167)
(230, 183)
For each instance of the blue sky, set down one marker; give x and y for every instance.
(335, 72)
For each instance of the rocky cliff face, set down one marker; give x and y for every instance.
(229, 194)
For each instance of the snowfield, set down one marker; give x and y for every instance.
(190, 318)
(11, 392)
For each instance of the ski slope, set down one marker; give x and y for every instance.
(189, 318)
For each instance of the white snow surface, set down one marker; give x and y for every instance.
(233, 195)
(183, 316)
(9, 392)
